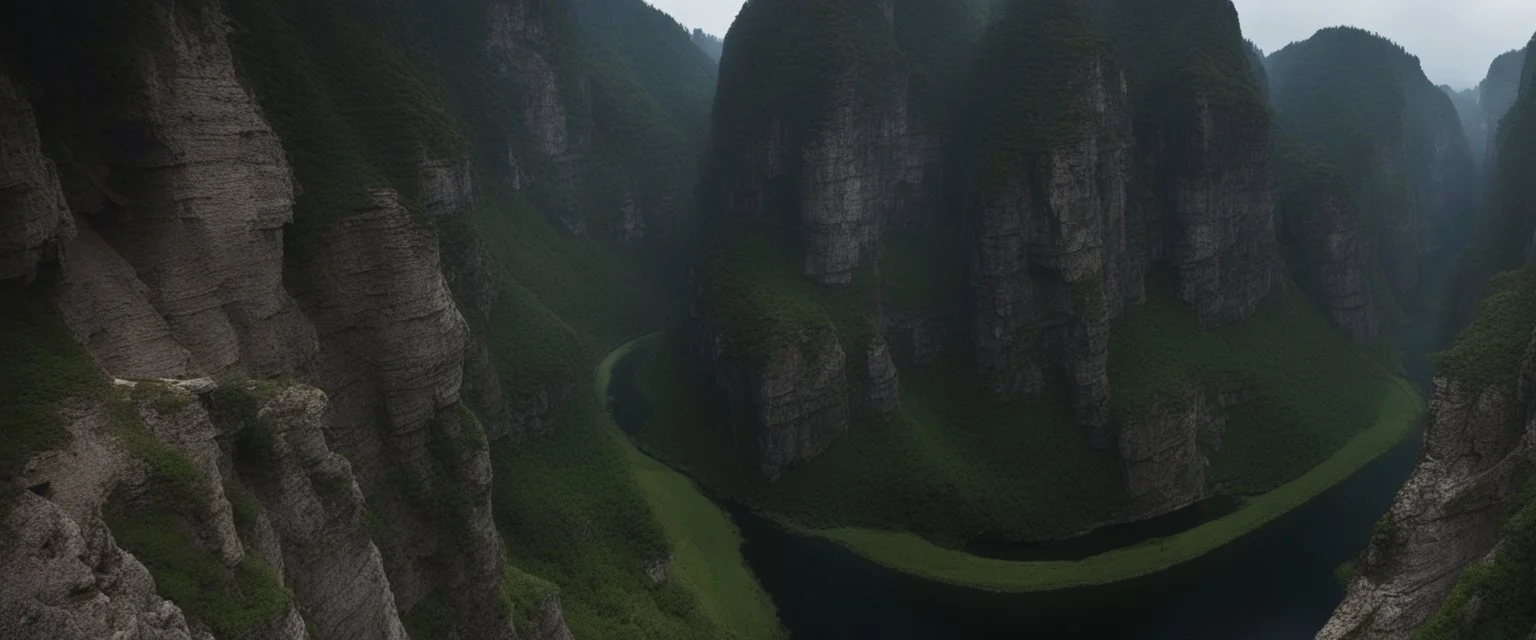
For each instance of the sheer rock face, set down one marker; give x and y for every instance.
(67, 579)
(316, 511)
(795, 400)
(393, 353)
(447, 185)
(1223, 227)
(798, 393)
(34, 220)
(518, 42)
(1497, 95)
(1047, 258)
(193, 190)
(868, 167)
(1166, 450)
(105, 303)
(1329, 239)
(1447, 516)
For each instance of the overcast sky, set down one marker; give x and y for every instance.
(1455, 39)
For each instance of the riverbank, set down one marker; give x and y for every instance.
(1401, 408)
(705, 544)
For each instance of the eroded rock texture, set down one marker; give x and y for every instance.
(392, 360)
(1047, 259)
(187, 182)
(1222, 227)
(1335, 266)
(1447, 515)
(68, 580)
(34, 220)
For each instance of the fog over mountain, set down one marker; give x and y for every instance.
(1454, 46)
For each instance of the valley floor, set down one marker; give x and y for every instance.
(1400, 411)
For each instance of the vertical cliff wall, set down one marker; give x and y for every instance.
(1452, 558)
(345, 226)
(1409, 167)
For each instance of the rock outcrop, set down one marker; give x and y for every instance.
(34, 220)
(1166, 450)
(1047, 256)
(316, 512)
(193, 189)
(794, 402)
(1497, 94)
(1318, 220)
(1447, 515)
(68, 580)
(392, 360)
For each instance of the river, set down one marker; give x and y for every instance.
(1277, 583)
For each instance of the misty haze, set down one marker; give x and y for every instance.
(767, 320)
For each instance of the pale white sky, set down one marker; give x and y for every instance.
(1455, 39)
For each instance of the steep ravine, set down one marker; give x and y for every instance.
(259, 294)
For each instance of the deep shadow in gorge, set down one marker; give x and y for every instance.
(1277, 583)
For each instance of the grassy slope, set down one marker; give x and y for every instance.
(1313, 390)
(955, 466)
(585, 510)
(909, 553)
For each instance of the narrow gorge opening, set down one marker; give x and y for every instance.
(605, 319)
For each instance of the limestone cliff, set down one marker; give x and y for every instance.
(1410, 170)
(1318, 218)
(1496, 95)
(243, 192)
(36, 221)
(1076, 165)
(1477, 451)
(1050, 249)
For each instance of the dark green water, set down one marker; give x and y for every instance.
(1276, 583)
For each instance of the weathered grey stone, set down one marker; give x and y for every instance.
(1333, 252)
(316, 511)
(1045, 258)
(68, 580)
(1447, 515)
(1223, 228)
(34, 220)
(202, 191)
(104, 303)
(447, 185)
(392, 362)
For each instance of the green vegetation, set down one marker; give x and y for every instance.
(1030, 99)
(1364, 104)
(433, 617)
(1311, 389)
(1503, 231)
(956, 466)
(161, 523)
(1504, 590)
(527, 594)
(41, 367)
(1489, 351)
(1400, 409)
(706, 552)
(583, 510)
